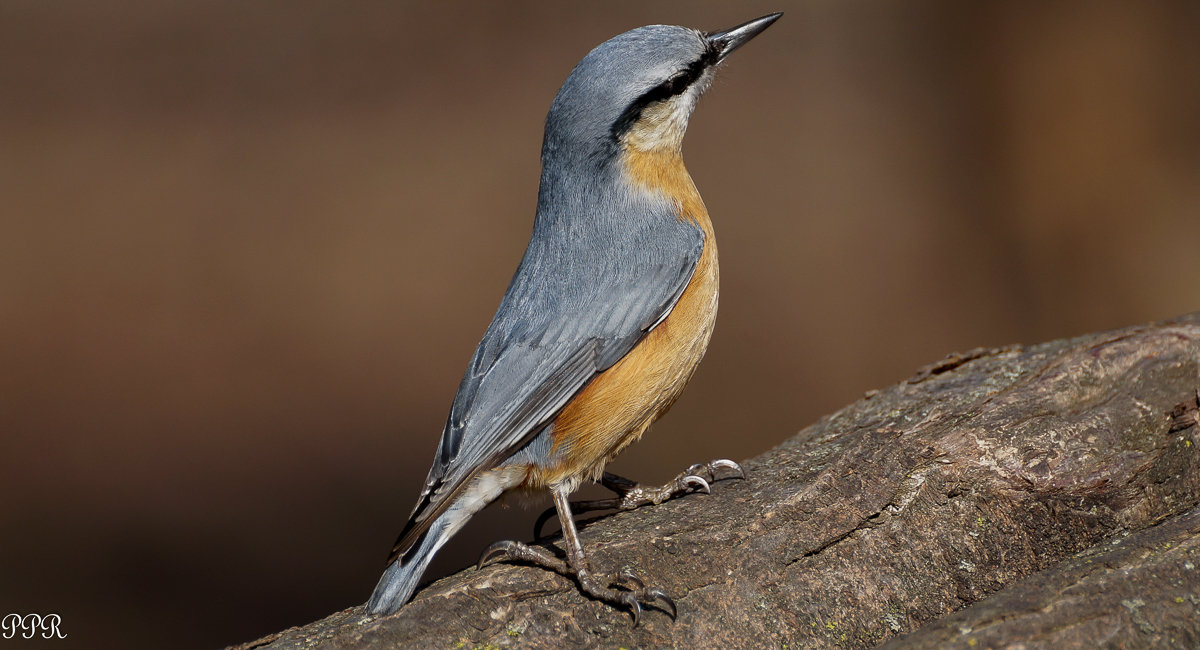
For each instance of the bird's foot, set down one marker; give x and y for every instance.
(696, 478)
(630, 593)
(631, 494)
(511, 551)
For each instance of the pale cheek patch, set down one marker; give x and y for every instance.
(663, 124)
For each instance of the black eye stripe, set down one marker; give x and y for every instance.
(676, 85)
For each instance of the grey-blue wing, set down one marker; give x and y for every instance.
(582, 298)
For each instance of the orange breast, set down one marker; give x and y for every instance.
(616, 407)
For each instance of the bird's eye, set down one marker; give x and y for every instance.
(673, 86)
(677, 83)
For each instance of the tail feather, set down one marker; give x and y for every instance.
(400, 579)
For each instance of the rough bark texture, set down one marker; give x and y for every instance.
(1043, 495)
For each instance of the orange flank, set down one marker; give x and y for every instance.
(617, 407)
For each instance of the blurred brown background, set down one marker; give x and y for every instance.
(246, 249)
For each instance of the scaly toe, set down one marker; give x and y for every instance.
(508, 550)
(627, 579)
(643, 595)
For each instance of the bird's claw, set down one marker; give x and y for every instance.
(635, 608)
(628, 580)
(637, 594)
(691, 480)
(717, 470)
(497, 552)
(654, 594)
(540, 522)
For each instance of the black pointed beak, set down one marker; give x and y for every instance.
(731, 39)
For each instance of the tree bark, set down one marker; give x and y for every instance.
(1044, 495)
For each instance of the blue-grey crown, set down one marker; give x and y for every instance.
(606, 91)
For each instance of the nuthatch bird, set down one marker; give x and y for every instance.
(604, 322)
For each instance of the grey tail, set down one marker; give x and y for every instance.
(400, 579)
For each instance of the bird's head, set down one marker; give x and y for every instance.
(637, 90)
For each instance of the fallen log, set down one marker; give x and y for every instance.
(1033, 494)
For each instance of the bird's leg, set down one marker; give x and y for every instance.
(633, 593)
(631, 494)
(636, 592)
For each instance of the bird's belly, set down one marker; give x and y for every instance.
(616, 407)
